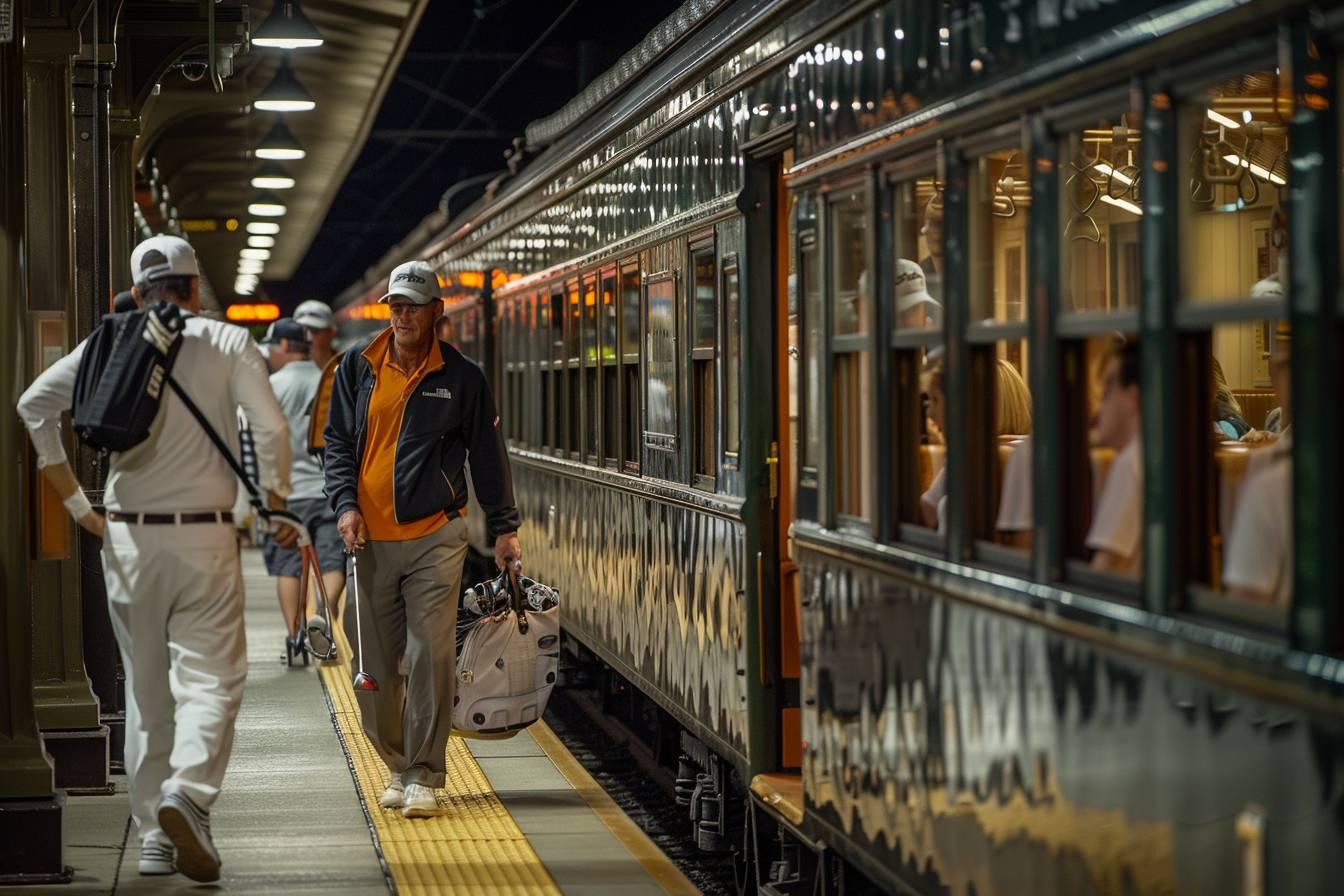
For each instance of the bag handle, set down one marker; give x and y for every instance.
(516, 594)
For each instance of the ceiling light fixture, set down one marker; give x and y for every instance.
(272, 176)
(266, 205)
(287, 29)
(269, 228)
(1223, 119)
(261, 242)
(285, 93)
(255, 254)
(251, 267)
(1258, 170)
(1125, 204)
(279, 144)
(1107, 171)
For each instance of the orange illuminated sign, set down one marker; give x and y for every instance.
(378, 311)
(253, 313)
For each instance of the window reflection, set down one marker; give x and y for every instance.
(1114, 533)
(918, 233)
(1000, 206)
(1234, 227)
(1101, 206)
(851, 372)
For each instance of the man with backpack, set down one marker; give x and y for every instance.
(407, 414)
(170, 563)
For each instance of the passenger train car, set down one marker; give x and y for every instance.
(931, 410)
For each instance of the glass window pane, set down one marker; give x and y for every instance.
(1234, 224)
(851, 283)
(575, 322)
(705, 308)
(660, 357)
(732, 358)
(1000, 201)
(589, 320)
(557, 318)
(918, 235)
(1251, 388)
(1100, 209)
(813, 357)
(630, 310)
(609, 319)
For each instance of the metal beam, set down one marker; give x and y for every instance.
(440, 134)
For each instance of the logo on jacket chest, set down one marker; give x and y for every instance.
(437, 393)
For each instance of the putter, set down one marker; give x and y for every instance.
(363, 680)
(319, 627)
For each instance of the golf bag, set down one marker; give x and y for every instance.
(508, 654)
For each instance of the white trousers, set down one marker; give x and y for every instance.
(175, 594)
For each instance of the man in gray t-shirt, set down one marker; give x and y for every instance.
(295, 385)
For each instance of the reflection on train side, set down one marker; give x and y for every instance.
(967, 748)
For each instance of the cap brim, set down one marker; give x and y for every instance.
(915, 300)
(414, 297)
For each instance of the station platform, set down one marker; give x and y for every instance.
(298, 813)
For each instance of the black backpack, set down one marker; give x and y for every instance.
(119, 385)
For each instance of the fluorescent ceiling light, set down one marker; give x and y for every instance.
(1108, 171)
(251, 266)
(285, 93)
(1223, 119)
(272, 176)
(255, 254)
(266, 227)
(1122, 203)
(279, 145)
(1258, 170)
(261, 242)
(266, 205)
(287, 28)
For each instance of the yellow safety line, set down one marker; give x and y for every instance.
(636, 842)
(473, 846)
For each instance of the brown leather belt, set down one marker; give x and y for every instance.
(171, 519)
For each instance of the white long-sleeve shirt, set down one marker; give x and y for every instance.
(178, 469)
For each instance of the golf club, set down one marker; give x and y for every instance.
(363, 680)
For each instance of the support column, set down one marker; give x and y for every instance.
(67, 709)
(30, 808)
(92, 298)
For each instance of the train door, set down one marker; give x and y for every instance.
(770, 435)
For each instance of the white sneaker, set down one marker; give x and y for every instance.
(188, 826)
(392, 796)
(156, 855)
(419, 802)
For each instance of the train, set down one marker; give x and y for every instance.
(797, 323)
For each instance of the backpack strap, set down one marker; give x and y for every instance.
(238, 470)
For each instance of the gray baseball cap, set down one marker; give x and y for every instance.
(414, 280)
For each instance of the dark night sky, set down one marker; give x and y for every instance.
(396, 182)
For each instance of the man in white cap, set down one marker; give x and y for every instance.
(407, 414)
(914, 305)
(170, 563)
(315, 317)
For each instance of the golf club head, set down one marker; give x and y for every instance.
(364, 682)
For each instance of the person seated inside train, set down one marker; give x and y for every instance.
(1012, 409)
(1227, 419)
(1115, 537)
(1258, 561)
(1276, 421)
(932, 231)
(933, 503)
(915, 308)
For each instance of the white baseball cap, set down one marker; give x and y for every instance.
(414, 280)
(911, 288)
(163, 256)
(314, 315)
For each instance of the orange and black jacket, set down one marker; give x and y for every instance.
(449, 417)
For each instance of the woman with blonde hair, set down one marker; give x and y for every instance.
(1012, 401)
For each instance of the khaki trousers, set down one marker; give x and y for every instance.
(175, 594)
(408, 594)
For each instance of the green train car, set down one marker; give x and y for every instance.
(929, 412)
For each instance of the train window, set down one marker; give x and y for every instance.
(814, 334)
(1103, 457)
(591, 406)
(1234, 221)
(851, 368)
(732, 357)
(630, 377)
(573, 383)
(1000, 204)
(556, 406)
(611, 406)
(704, 395)
(1100, 211)
(917, 395)
(661, 379)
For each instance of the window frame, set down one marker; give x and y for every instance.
(632, 424)
(701, 245)
(731, 407)
(609, 454)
